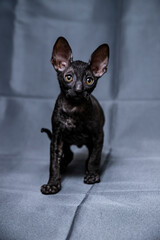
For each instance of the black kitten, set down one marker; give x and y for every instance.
(77, 118)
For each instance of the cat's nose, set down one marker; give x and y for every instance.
(78, 87)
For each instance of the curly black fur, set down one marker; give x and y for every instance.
(77, 118)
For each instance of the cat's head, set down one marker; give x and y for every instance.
(78, 79)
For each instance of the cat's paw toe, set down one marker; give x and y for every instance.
(91, 178)
(50, 188)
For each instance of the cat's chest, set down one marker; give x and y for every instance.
(74, 127)
(73, 118)
(68, 123)
(71, 121)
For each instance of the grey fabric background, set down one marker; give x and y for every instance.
(126, 204)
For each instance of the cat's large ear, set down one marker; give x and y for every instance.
(61, 54)
(99, 60)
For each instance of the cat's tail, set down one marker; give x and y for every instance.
(48, 132)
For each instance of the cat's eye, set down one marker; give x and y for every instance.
(68, 78)
(89, 81)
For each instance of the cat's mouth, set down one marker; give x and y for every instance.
(77, 96)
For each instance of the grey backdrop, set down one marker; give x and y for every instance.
(126, 204)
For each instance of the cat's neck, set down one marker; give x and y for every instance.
(70, 106)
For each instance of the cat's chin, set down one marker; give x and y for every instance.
(77, 98)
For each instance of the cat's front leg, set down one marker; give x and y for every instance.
(56, 151)
(92, 174)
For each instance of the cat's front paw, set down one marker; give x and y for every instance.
(91, 178)
(50, 188)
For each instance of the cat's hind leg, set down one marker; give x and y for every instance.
(66, 158)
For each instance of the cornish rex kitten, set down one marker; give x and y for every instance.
(77, 118)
